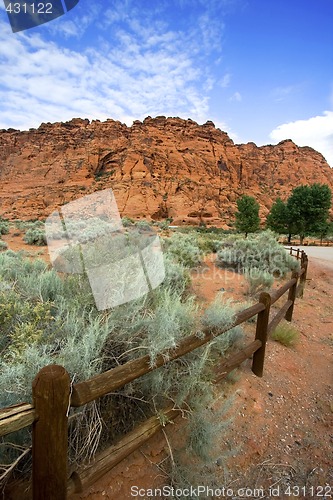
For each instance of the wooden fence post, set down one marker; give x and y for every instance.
(302, 280)
(261, 334)
(292, 297)
(51, 393)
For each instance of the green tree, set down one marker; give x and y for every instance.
(247, 216)
(277, 219)
(308, 208)
(324, 229)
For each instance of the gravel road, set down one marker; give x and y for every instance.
(322, 255)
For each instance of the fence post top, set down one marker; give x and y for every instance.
(51, 372)
(265, 297)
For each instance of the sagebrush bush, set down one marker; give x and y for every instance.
(35, 236)
(24, 225)
(206, 242)
(177, 276)
(260, 251)
(127, 221)
(184, 249)
(143, 224)
(209, 243)
(4, 226)
(241, 306)
(258, 280)
(218, 316)
(3, 245)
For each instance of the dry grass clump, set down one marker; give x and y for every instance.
(286, 334)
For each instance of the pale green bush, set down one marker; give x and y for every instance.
(35, 236)
(218, 316)
(184, 249)
(177, 276)
(143, 224)
(260, 251)
(4, 226)
(127, 221)
(23, 225)
(258, 280)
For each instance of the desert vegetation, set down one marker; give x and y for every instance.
(47, 318)
(4, 226)
(259, 257)
(286, 334)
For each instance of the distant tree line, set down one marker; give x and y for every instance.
(305, 212)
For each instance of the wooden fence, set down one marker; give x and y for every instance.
(53, 395)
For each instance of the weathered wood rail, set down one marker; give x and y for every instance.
(53, 395)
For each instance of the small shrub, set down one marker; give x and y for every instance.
(241, 306)
(258, 280)
(24, 225)
(209, 243)
(218, 316)
(286, 334)
(35, 236)
(177, 276)
(202, 433)
(4, 226)
(163, 225)
(184, 249)
(143, 224)
(127, 221)
(3, 245)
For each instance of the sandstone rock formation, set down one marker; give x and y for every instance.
(158, 168)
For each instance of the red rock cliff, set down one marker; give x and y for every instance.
(158, 168)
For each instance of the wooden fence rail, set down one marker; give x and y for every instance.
(53, 395)
(116, 378)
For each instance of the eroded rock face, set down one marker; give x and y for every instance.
(158, 168)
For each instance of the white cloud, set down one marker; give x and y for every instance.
(225, 81)
(147, 71)
(316, 132)
(236, 97)
(280, 93)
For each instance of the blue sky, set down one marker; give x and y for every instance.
(262, 70)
